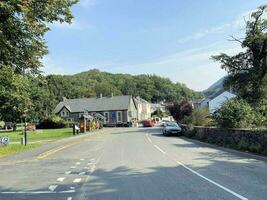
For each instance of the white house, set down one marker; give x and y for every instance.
(218, 101)
(143, 108)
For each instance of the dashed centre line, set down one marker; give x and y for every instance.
(52, 188)
(77, 163)
(157, 147)
(200, 175)
(77, 180)
(61, 179)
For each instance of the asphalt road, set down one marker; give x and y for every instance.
(132, 164)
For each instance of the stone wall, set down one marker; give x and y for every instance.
(246, 140)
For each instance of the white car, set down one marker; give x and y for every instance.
(171, 128)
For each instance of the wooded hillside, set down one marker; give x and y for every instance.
(94, 82)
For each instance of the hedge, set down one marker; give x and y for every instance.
(246, 140)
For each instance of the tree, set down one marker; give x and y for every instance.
(179, 110)
(14, 95)
(235, 113)
(23, 24)
(158, 113)
(22, 28)
(247, 70)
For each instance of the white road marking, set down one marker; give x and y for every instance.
(92, 169)
(77, 163)
(157, 147)
(72, 167)
(67, 172)
(61, 179)
(38, 192)
(72, 188)
(86, 168)
(82, 173)
(92, 159)
(149, 140)
(81, 159)
(69, 198)
(77, 180)
(52, 187)
(213, 182)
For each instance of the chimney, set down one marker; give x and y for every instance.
(64, 98)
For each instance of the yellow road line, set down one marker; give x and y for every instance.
(52, 151)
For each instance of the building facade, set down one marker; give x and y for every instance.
(117, 110)
(218, 101)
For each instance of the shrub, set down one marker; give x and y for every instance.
(261, 115)
(235, 113)
(199, 117)
(2, 124)
(52, 122)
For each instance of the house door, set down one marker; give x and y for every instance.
(112, 116)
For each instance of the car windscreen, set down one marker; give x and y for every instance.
(172, 124)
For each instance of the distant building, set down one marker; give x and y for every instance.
(202, 103)
(117, 110)
(143, 108)
(157, 106)
(218, 101)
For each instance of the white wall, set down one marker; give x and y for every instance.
(218, 101)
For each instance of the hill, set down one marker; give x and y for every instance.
(94, 82)
(215, 89)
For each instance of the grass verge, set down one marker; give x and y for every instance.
(16, 148)
(35, 139)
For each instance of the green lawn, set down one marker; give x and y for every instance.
(39, 135)
(16, 148)
(34, 139)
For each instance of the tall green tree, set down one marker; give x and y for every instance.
(23, 24)
(247, 70)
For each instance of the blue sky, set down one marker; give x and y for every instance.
(170, 38)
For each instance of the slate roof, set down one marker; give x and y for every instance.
(95, 104)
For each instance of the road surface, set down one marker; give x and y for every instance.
(132, 164)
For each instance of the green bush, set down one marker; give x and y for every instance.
(52, 122)
(261, 115)
(2, 124)
(235, 113)
(199, 117)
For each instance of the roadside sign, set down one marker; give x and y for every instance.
(5, 140)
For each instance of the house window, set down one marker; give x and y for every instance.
(67, 113)
(106, 116)
(119, 116)
(63, 113)
(130, 114)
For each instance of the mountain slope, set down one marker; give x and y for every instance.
(94, 82)
(215, 89)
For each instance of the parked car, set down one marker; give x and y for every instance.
(148, 123)
(171, 128)
(163, 123)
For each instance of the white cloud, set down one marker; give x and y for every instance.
(239, 23)
(204, 33)
(192, 67)
(50, 67)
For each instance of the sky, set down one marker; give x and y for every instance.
(169, 38)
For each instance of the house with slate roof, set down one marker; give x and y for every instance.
(117, 110)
